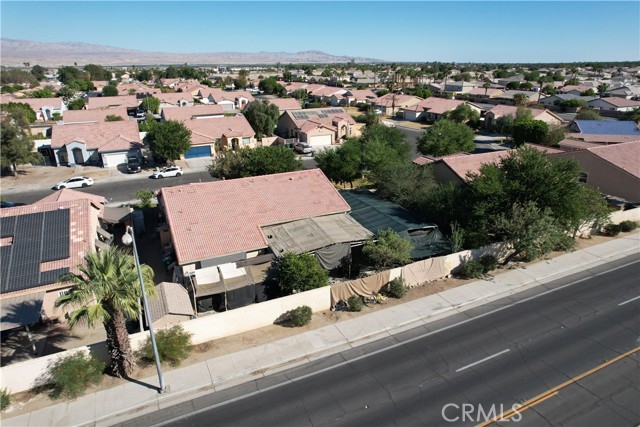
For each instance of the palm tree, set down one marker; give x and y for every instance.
(486, 86)
(107, 290)
(603, 88)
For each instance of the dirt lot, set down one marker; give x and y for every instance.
(29, 401)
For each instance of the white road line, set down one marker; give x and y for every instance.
(629, 300)
(482, 360)
(384, 349)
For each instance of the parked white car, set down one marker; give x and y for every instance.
(168, 171)
(74, 182)
(303, 148)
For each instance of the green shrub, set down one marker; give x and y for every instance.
(71, 375)
(489, 263)
(5, 399)
(174, 346)
(397, 288)
(626, 226)
(611, 229)
(145, 195)
(355, 303)
(564, 243)
(300, 316)
(472, 269)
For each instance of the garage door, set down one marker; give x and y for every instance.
(113, 159)
(319, 140)
(202, 151)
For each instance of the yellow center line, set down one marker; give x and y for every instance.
(554, 391)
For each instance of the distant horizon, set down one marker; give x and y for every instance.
(408, 32)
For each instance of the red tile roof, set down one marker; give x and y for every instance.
(104, 136)
(626, 156)
(284, 104)
(192, 112)
(67, 194)
(206, 131)
(213, 219)
(38, 103)
(79, 116)
(620, 102)
(112, 101)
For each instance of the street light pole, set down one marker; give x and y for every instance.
(128, 239)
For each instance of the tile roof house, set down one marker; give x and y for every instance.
(606, 127)
(44, 108)
(432, 109)
(104, 143)
(482, 93)
(176, 99)
(574, 89)
(456, 167)
(212, 135)
(627, 92)
(38, 244)
(93, 116)
(556, 99)
(353, 96)
(317, 126)
(285, 104)
(193, 112)
(128, 101)
(220, 222)
(614, 103)
(229, 100)
(498, 111)
(612, 169)
(391, 103)
(508, 96)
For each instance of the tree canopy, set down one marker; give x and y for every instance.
(254, 162)
(263, 117)
(109, 90)
(169, 140)
(17, 141)
(387, 250)
(270, 85)
(298, 273)
(446, 137)
(151, 103)
(533, 131)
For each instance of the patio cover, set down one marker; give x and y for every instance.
(115, 215)
(208, 281)
(307, 235)
(20, 311)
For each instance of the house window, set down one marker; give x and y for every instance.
(63, 292)
(246, 141)
(583, 177)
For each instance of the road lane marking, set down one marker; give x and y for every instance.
(482, 360)
(554, 391)
(384, 349)
(629, 300)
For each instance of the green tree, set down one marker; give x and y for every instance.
(446, 137)
(633, 115)
(299, 273)
(463, 113)
(169, 140)
(76, 104)
(17, 142)
(520, 99)
(555, 135)
(387, 250)
(45, 92)
(15, 76)
(269, 160)
(38, 72)
(263, 117)
(72, 73)
(16, 107)
(151, 103)
(97, 72)
(533, 131)
(109, 90)
(588, 114)
(113, 118)
(341, 165)
(229, 165)
(107, 290)
(405, 183)
(603, 88)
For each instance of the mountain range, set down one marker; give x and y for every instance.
(18, 52)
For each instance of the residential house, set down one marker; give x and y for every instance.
(605, 127)
(353, 97)
(285, 104)
(432, 109)
(575, 89)
(228, 100)
(99, 85)
(627, 92)
(193, 112)
(317, 126)
(461, 87)
(581, 141)
(128, 101)
(559, 98)
(480, 94)
(506, 80)
(212, 135)
(94, 116)
(457, 167)
(614, 103)
(324, 93)
(612, 169)
(103, 143)
(508, 97)
(38, 244)
(498, 111)
(174, 99)
(391, 103)
(169, 82)
(44, 108)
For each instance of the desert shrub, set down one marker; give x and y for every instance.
(5, 399)
(300, 316)
(611, 229)
(472, 269)
(145, 195)
(626, 226)
(71, 375)
(174, 346)
(355, 303)
(397, 288)
(489, 263)
(564, 243)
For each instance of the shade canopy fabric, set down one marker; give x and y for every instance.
(115, 215)
(20, 311)
(310, 234)
(211, 281)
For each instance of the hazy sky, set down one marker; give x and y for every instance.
(472, 31)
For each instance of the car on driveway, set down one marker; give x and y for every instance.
(133, 164)
(168, 171)
(74, 182)
(6, 204)
(303, 148)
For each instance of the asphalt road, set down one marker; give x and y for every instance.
(493, 356)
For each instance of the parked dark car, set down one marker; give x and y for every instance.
(4, 204)
(133, 164)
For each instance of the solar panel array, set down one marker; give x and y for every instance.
(36, 238)
(332, 111)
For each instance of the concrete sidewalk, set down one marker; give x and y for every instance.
(130, 400)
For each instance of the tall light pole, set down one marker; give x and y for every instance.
(128, 239)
